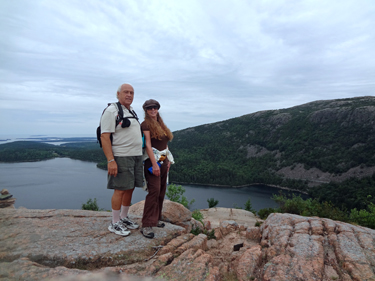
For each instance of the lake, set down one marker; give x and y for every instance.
(64, 183)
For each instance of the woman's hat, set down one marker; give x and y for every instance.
(151, 102)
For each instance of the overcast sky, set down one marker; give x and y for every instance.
(205, 61)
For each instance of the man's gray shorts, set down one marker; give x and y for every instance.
(129, 175)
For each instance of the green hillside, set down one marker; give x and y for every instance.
(303, 147)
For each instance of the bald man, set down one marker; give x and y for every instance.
(124, 156)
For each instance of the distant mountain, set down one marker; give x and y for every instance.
(24, 151)
(298, 147)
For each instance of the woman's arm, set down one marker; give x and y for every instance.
(169, 163)
(155, 166)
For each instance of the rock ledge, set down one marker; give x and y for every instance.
(76, 245)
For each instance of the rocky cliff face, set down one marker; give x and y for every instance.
(76, 245)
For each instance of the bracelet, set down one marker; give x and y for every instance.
(111, 160)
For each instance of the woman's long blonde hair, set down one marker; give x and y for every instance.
(157, 127)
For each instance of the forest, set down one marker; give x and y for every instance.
(24, 151)
(332, 137)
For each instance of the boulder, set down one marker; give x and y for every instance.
(248, 263)
(191, 265)
(228, 227)
(6, 200)
(172, 212)
(4, 191)
(215, 216)
(207, 225)
(176, 242)
(253, 233)
(197, 224)
(198, 242)
(8, 203)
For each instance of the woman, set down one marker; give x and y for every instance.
(156, 167)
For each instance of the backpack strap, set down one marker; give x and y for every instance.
(132, 112)
(120, 113)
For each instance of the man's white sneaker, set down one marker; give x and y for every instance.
(118, 229)
(129, 223)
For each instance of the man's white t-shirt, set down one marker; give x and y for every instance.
(126, 141)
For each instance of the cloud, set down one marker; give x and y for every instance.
(62, 61)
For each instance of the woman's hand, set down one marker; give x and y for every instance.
(156, 170)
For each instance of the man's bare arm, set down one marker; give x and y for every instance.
(107, 149)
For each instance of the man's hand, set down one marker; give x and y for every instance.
(112, 168)
(107, 149)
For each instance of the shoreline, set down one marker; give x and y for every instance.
(240, 186)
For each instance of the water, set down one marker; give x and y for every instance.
(259, 195)
(50, 139)
(64, 183)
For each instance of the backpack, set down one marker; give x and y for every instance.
(119, 118)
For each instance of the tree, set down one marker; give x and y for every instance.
(175, 194)
(248, 206)
(212, 202)
(91, 205)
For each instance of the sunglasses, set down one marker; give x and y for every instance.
(152, 107)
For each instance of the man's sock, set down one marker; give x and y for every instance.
(124, 211)
(115, 215)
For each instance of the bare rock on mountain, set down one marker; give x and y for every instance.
(215, 216)
(345, 116)
(255, 151)
(66, 245)
(317, 177)
(280, 119)
(190, 265)
(303, 248)
(73, 238)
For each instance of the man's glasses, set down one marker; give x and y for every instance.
(151, 107)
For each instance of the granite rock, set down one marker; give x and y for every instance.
(66, 245)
